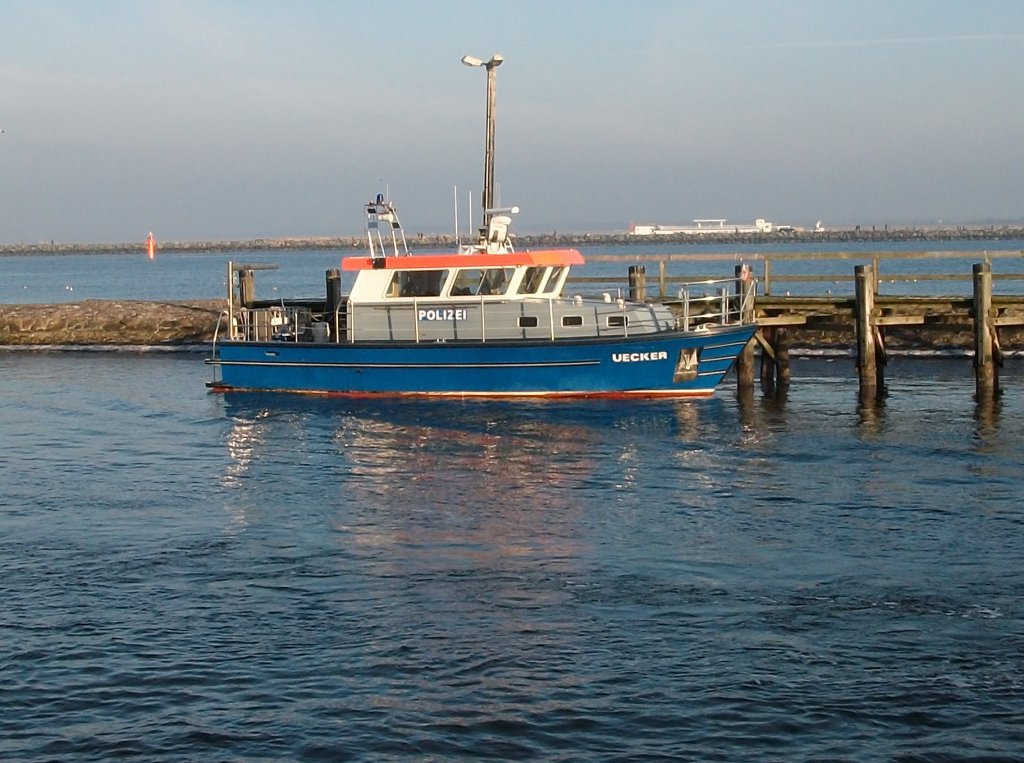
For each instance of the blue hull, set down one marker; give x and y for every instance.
(645, 366)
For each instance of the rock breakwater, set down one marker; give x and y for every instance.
(110, 322)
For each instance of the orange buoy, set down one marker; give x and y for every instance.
(150, 246)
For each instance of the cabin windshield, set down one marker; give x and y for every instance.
(532, 280)
(474, 282)
(417, 283)
(553, 278)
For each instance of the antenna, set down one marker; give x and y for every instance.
(458, 240)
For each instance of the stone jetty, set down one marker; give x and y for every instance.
(423, 241)
(110, 323)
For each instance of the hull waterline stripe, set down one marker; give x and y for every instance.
(650, 393)
(302, 364)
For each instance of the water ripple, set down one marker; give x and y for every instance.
(192, 577)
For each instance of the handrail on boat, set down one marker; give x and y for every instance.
(723, 301)
(213, 344)
(216, 329)
(713, 301)
(337, 324)
(406, 317)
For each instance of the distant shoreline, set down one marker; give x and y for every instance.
(857, 234)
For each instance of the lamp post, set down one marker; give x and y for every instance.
(488, 192)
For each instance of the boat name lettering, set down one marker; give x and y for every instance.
(442, 314)
(638, 357)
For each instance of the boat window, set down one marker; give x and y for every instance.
(531, 281)
(527, 321)
(572, 320)
(417, 283)
(552, 284)
(618, 321)
(495, 280)
(472, 282)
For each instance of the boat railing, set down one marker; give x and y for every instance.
(490, 319)
(717, 302)
(216, 335)
(708, 303)
(340, 311)
(381, 213)
(216, 329)
(273, 324)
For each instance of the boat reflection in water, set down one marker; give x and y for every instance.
(396, 474)
(472, 477)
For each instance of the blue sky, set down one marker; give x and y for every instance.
(223, 120)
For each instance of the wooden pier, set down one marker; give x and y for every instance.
(872, 317)
(849, 311)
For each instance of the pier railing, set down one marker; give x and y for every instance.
(823, 273)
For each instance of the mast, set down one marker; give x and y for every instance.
(492, 77)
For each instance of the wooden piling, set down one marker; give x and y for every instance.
(745, 367)
(775, 371)
(869, 369)
(766, 338)
(246, 287)
(745, 360)
(334, 299)
(637, 283)
(986, 345)
(782, 372)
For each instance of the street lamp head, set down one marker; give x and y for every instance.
(496, 60)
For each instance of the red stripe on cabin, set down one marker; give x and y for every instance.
(440, 261)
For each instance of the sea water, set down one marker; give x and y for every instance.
(188, 575)
(48, 278)
(193, 576)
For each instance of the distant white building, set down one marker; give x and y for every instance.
(705, 225)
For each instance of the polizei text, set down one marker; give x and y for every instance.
(442, 314)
